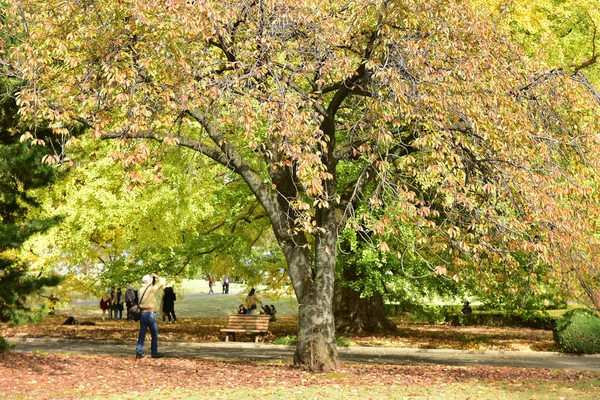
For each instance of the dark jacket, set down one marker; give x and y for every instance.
(169, 301)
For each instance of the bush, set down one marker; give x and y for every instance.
(532, 320)
(578, 331)
(419, 312)
(4, 345)
(286, 340)
(451, 315)
(344, 342)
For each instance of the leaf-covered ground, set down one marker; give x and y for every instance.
(207, 330)
(51, 376)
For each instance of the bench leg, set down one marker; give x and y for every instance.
(226, 338)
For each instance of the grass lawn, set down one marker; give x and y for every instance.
(193, 301)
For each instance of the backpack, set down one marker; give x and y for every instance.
(71, 321)
(135, 312)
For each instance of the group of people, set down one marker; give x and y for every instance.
(112, 302)
(250, 306)
(151, 285)
(225, 283)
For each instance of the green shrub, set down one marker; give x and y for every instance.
(286, 340)
(451, 314)
(344, 342)
(422, 313)
(4, 345)
(578, 331)
(532, 320)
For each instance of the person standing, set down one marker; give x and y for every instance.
(151, 284)
(168, 306)
(251, 301)
(226, 283)
(112, 305)
(211, 283)
(129, 299)
(105, 303)
(117, 301)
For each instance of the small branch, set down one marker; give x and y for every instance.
(594, 56)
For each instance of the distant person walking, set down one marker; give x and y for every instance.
(211, 283)
(168, 304)
(151, 284)
(251, 301)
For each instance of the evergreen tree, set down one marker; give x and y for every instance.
(20, 172)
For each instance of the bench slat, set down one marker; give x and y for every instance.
(242, 323)
(248, 326)
(247, 323)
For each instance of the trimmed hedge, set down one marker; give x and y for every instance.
(452, 315)
(499, 318)
(578, 331)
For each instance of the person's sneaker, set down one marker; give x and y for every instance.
(158, 355)
(138, 356)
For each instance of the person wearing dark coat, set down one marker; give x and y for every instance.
(168, 304)
(467, 309)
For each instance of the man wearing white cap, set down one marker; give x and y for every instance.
(151, 284)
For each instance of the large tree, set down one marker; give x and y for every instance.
(418, 108)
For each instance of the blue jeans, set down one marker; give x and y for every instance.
(148, 320)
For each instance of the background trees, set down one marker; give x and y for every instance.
(374, 116)
(175, 215)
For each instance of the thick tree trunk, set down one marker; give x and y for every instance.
(313, 280)
(355, 315)
(315, 348)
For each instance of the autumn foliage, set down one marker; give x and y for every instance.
(368, 115)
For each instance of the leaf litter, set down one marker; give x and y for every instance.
(50, 376)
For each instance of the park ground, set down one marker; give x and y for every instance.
(42, 375)
(50, 376)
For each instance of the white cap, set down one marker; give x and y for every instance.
(147, 280)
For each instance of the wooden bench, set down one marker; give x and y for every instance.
(244, 323)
